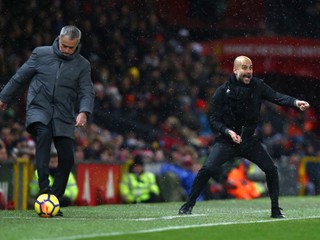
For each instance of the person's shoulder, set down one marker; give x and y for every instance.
(83, 60)
(223, 85)
(257, 80)
(222, 88)
(149, 174)
(43, 49)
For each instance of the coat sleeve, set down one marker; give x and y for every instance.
(33, 185)
(275, 97)
(72, 189)
(216, 111)
(153, 186)
(22, 77)
(125, 189)
(85, 90)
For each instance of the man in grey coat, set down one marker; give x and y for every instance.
(60, 98)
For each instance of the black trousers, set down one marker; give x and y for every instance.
(223, 151)
(64, 145)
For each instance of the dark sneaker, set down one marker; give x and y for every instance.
(185, 209)
(276, 213)
(64, 201)
(45, 190)
(59, 214)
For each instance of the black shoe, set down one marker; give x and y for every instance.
(185, 209)
(276, 213)
(45, 190)
(65, 202)
(59, 214)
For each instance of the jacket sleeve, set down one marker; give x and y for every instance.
(72, 188)
(33, 185)
(85, 90)
(216, 111)
(153, 187)
(275, 97)
(125, 189)
(22, 77)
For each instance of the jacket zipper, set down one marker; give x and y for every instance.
(56, 82)
(242, 130)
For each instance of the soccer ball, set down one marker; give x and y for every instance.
(47, 205)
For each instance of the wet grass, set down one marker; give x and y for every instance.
(216, 219)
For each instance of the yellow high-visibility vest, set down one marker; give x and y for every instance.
(135, 188)
(71, 190)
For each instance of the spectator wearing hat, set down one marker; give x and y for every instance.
(139, 186)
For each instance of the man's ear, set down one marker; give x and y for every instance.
(235, 70)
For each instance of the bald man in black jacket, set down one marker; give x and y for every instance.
(234, 113)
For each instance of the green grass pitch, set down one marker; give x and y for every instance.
(216, 219)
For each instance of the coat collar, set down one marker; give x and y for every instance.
(234, 83)
(238, 90)
(56, 50)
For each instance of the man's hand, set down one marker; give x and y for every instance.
(302, 105)
(3, 106)
(81, 120)
(235, 137)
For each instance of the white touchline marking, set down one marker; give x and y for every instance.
(166, 217)
(173, 228)
(122, 219)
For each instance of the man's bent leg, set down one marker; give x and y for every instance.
(220, 153)
(43, 138)
(260, 157)
(199, 182)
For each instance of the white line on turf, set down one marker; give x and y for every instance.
(165, 217)
(123, 219)
(77, 237)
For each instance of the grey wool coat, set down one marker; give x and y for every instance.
(59, 88)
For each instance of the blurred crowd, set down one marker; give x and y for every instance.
(152, 87)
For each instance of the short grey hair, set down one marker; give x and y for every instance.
(71, 32)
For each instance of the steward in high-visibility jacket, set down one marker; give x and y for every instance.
(138, 186)
(71, 191)
(240, 187)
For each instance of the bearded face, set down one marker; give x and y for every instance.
(243, 70)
